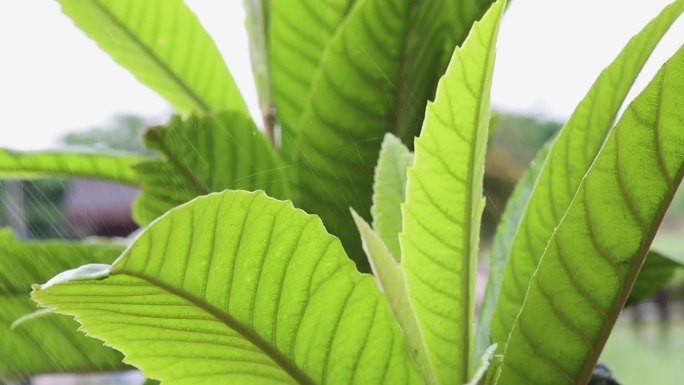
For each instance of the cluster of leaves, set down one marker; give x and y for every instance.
(239, 287)
(123, 133)
(392, 67)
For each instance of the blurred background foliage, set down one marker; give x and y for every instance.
(122, 133)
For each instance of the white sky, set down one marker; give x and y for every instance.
(54, 80)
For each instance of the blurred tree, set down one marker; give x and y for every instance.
(43, 209)
(123, 133)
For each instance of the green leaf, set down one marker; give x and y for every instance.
(238, 288)
(505, 232)
(657, 271)
(433, 31)
(493, 369)
(595, 254)
(49, 343)
(30, 165)
(441, 216)
(161, 43)
(300, 31)
(390, 279)
(203, 155)
(430, 35)
(376, 74)
(389, 191)
(570, 156)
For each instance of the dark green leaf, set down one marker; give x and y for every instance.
(657, 271)
(50, 343)
(299, 33)
(203, 155)
(375, 76)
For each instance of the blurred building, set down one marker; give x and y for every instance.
(94, 207)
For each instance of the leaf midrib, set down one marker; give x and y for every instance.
(150, 54)
(283, 362)
(201, 188)
(465, 362)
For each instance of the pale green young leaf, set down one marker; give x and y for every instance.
(116, 167)
(389, 191)
(569, 158)
(444, 202)
(390, 279)
(239, 288)
(161, 43)
(50, 343)
(202, 155)
(598, 248)
(493, 370)
(375, 75)
(485, 361)
(505, 231)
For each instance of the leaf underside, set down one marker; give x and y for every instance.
(570, 156)
(595, 254)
